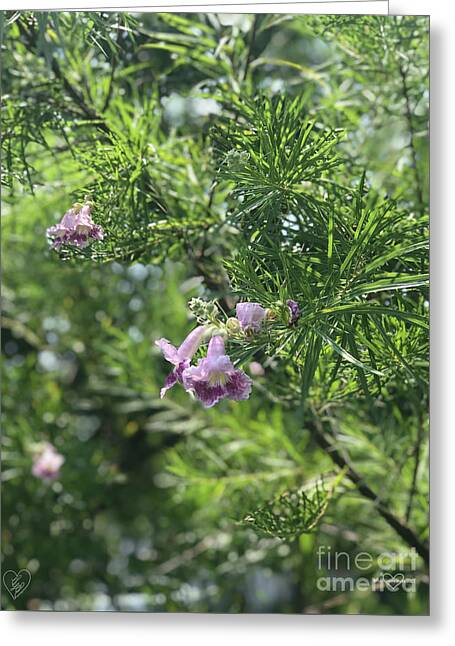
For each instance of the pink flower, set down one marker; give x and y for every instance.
(47, 463)
(250, 316)
(76, 228)
(179, 357)
(215, 378)
(60, 232)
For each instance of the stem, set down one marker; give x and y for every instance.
(401, 528)
(408, 114)
(112, 76)
(417, 452)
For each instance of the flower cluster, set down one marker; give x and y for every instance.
(76, 228)
(214, 377)
(47, 462)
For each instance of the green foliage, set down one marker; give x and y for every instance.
(355, 262)
(292, 514)
(270, 154)
(260, 157)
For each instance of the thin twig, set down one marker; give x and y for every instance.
(417, 452)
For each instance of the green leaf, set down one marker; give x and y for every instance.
(397, 251)
(345, 354)
(359, 308)
(390, 283)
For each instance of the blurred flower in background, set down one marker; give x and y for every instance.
(256, 369)
(47, 462)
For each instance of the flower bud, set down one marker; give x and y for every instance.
(203, 310)
(294, 311)
(233, 325)
(250, 315)
(249, 331)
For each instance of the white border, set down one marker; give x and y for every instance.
(318, 7)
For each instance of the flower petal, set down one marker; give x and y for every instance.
(97, 232)
(169, 351)
(173, 377)
(294, 310)
(208, 395)
(216, 348)
(68, 220)
(171, 380)
(239, 386)
(191, 343)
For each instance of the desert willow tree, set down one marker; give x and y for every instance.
(279, 199)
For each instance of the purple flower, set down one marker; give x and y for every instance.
(179, 357)
(250, 316)
(76, 228)
(47, 463)
(215, 377)
(294, 310)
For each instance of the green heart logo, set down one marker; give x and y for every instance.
(16, 582)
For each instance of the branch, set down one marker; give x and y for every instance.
(249, 56)
(108, 98)
(90, 113)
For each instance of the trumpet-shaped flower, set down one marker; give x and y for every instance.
(76, 228)
(250, 316)
(180, 357)
(215, 378)
(47, 463)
